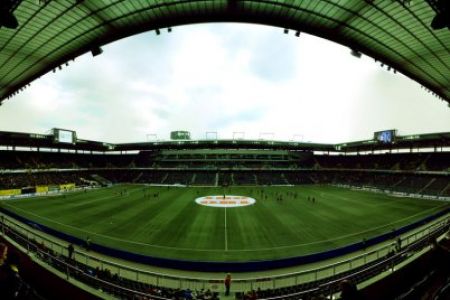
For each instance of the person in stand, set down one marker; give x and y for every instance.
(70, 250)
(10, 280)
(88, 243)
(398, 244)
(227, 284)
(349, 291)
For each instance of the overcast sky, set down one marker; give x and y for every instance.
(225, 78)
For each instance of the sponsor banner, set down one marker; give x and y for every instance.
(67, 186)
(41, 189)
(10, 192)
(225, 201)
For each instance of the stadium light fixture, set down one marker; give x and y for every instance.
(356, 53)
(96, 51)
(7, 17)
(442, 17)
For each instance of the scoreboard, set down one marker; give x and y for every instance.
(64, 136)
(180, 135)
(385, 136)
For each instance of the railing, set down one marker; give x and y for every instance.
(72, 269)
(197, 283)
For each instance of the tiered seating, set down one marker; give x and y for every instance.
(20, 180)
(437, 186)
(413, 184)
(179, 178)
(104, 279)
(438, 162)
(225, 179)
(244, 178)
(204, 178)
(152, 177)
(272, 178)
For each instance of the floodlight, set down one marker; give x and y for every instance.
(356, 53)
(442, 18)
(96, 51)
(7, 18)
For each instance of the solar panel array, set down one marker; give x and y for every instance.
(53, 32)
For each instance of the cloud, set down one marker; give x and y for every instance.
(224, 78)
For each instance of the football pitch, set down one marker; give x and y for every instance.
(167, 221)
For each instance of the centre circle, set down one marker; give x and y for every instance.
(225, 201)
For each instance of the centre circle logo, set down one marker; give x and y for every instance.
(227, 201)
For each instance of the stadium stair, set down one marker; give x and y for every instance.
(88, 182)
(216, 181)
(314, 180)
(103, 181)
(284, 178)
(138, 177)
(423, 164)
(165, 177)
(445, 190)
(427, 185)
(399, 182)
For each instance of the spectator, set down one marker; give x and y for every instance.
(10, 281)
(349, 291)
(398, 245)
(3, 253)
(88, 243)
(227, 284)
(70, 250)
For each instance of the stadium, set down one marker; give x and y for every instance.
(168, 219)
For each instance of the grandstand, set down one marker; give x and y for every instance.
(290, 220)
(39, 166)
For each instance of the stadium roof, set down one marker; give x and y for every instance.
(396, 33)
(11, 140)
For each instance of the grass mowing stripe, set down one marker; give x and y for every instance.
(226, 234)
(174, 226)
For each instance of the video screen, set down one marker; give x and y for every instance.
(385, 137)
(65, 136)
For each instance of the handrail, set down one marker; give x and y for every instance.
(69, 268)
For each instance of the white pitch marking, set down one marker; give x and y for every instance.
(226, 234)
(219, 250)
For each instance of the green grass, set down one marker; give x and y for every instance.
(174, 226)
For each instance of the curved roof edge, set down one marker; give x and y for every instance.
(397, 35)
